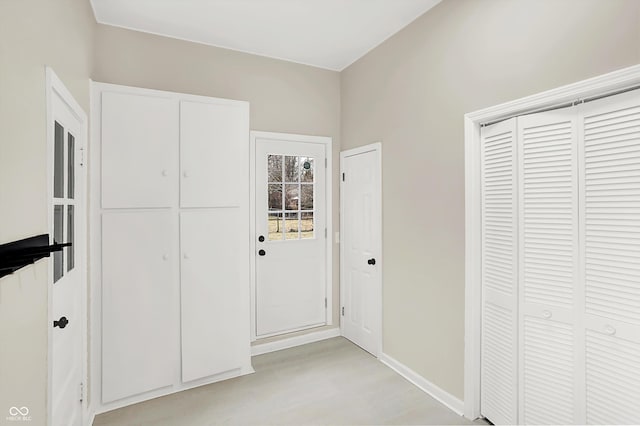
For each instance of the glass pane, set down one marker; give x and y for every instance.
(274, 167)
(70, 165)
(70, 229)
(291, 196)
(292, 226)
(276, 227)
(306, 198)
(306, 225)
(291, 169)
(58, 265)
(58, 162)
(306, 169)
(275, 196)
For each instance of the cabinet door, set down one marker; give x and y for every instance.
(213, 269)
(139, 151)
(139, 331)
(214, 153)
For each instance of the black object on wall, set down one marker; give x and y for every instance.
(21, 253)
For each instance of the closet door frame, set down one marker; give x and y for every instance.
(563, 96)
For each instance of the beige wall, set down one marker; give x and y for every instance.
(285, 97)
(411, 93)
(33, 33)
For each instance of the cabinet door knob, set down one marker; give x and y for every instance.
(185, 174)
(186, 256)
(547, 314)
(262, 252)
(371, 261)
(610, 330)
(165, 257)
(165, 173)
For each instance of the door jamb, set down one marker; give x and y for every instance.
(607, 83)
(377, 146)
(55, 87)
(328, 143)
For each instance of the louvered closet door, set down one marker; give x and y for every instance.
(499, 279)
(548, 245)
(611, 258)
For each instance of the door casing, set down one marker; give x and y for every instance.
(377, 146)
(327, 141)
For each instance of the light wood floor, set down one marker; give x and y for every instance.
(331, 382)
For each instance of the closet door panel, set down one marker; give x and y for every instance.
(212, 273)
(548, 265)
(139, 151)
(139, 330)
(499, 278)
(611, 257)
(214, 153)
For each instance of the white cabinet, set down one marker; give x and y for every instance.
(139, 150)
(138, 293)
(170, 243)
(214, 154)
(210, 294)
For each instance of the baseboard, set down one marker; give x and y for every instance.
(294, 341)
(92, 417)
(434, 391)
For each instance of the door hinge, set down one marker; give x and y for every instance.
(325, 163)
(325, 233)
(343, 176)
(81, 391)
(81, 156)
(343, 311)
(325, 302)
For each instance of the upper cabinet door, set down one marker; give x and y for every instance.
(214, 154)
(139, 151)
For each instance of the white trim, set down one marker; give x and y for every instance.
(291, 342)
(328, 143)
(55, 87)
(617, 80)
(376, 146)
(436, 392)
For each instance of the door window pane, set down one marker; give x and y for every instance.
(275, 196)
(58, 161)
(306, 197)
(292, 226)
(306, 169)
(306, 225)
(291, 169)
(291, 196)
(276, 227)
(70, 165)
(70, 232)
(274, 168)
(58, 220)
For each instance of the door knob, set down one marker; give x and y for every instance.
(62, 322)
(371, 261)
(262, 252)
(261, 238)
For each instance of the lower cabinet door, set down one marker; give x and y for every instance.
(139, 324)
(211, 306)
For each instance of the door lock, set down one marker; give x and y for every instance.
(62, 322)
(371, 261)
(262, 252)
(261, 238)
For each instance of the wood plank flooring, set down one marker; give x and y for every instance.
(331, 382)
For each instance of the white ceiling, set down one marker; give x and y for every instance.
(329, 34)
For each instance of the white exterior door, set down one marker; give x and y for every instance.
(361, 279)
(68, 210)
(291, 265)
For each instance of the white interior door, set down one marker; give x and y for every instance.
(68, 266)
(361, 235)
(290, 182)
